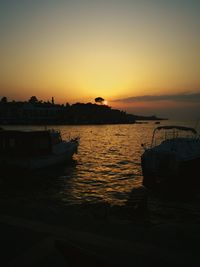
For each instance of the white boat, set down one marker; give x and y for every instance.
(172, 160)
(32, 150)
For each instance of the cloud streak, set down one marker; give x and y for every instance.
(183, 97)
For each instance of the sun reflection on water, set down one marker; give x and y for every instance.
(106, 168)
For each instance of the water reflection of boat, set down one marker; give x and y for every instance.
(174, 161)
(30, 150)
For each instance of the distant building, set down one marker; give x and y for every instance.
(28, 113)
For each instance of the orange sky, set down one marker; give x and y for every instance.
(78, 50)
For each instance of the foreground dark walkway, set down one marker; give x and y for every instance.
(30, 243)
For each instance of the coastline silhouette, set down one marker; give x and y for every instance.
(39, 112)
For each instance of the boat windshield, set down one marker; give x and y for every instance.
(163, 133)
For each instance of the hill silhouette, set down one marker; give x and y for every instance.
(39, 112)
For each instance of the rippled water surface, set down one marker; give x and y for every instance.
(108, 162)
(106, 168)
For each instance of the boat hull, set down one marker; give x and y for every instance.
(35, 163)
(171, 175)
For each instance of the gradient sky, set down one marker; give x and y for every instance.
(118, 49)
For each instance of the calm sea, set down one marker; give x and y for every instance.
(106, 168)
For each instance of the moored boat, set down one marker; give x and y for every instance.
(173, 160)
(32, 150)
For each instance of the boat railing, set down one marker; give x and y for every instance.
(171, 133)
(69, 137)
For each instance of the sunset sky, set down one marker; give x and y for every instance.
(141, 55)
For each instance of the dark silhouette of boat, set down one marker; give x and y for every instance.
(175, 161)
(32, 150)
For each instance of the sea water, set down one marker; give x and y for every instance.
(106, 168)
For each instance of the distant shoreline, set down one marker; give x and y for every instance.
(84, 124)
(35, 112)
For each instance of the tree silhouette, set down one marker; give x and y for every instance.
(33, 100)
(99, 100)
(4, 99)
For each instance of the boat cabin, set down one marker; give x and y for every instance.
(28, 143)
